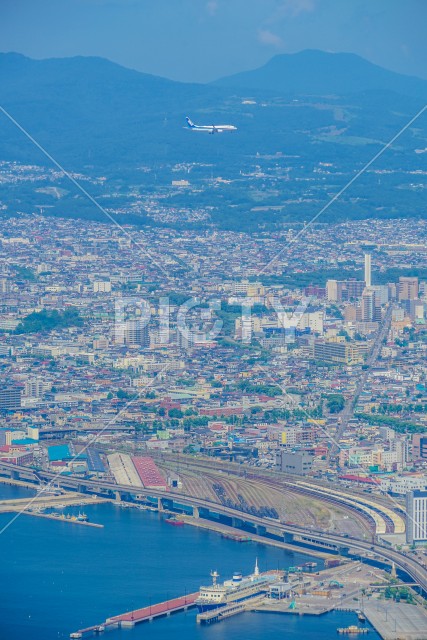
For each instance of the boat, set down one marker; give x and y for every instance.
(237, 589)
(175, 522)
(76, 635)
(361, 616)
(237, 538)
(82, 517)
(352, 630)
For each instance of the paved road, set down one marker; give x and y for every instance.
(407, 563)
(348, 410)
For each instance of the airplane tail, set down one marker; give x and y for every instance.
(190, 123)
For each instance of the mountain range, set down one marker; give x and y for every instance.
(97, 117)
(313, 72)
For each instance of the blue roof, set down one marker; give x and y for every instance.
(24, 441)
(58, 452)
(94, 461)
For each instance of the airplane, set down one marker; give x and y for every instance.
(212, 128)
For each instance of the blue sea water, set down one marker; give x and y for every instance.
(58, 577)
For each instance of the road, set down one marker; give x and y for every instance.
(351, 403)
(410, 565)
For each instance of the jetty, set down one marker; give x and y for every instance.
(233, 609)
(145, 614)
(62, 518)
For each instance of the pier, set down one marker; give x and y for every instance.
(221, 613)
(60, 518)
(131, 618)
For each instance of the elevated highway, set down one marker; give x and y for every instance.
(377, 510)
(204, 508)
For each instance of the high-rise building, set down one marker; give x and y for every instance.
(408, 288)
(368, 305)
(368, 269)
(133, 332)
(339, 290)
(416, 521)
(101, 286)
(4, 285)
(371, 306)
(337, 352)
(10, 397)
(419, 446)
(352, 289)
(312, 320)
(332, 290)
(35, 387)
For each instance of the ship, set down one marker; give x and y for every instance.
(352, 630)
(237, 589)
(175, 522)
(236, 538)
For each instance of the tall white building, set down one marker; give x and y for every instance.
(312, 320)
(368, 269)
(416, 521)
(35, 388)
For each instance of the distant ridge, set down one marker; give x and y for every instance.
(313, 72)
(91, 112)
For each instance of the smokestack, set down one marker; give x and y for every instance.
(367, 269)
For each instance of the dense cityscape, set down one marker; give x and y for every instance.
(96, 330)
(213, 320)
(143, 359)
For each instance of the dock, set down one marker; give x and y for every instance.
(154, 611)
(145, 614)
(221, 613)
(59, 518)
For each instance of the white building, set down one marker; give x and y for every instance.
(35, 388)
(102, 286)
(401, 485)
(312, 320)
(416, 521)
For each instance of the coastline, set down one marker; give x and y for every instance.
(223, 528)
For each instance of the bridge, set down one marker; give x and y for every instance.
(207, 509)
(376, 509)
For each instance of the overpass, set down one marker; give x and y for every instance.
(208, 509)
(376, 510)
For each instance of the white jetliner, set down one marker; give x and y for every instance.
(212, 128)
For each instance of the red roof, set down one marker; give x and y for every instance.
(148, 472)
(361, 479)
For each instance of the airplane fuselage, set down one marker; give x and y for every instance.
(213, 128)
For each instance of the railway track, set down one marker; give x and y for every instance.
(376, 517)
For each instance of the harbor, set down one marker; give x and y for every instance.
(355, 586)
(298, 591)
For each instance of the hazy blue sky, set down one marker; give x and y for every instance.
(198, 40)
